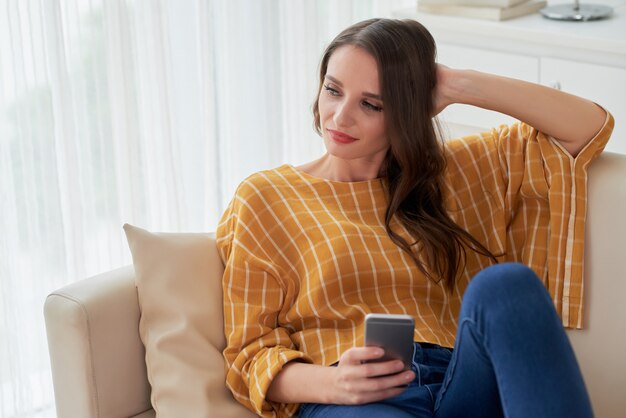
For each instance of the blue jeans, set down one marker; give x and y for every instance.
(512, 358)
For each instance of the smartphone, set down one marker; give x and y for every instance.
(393, 333)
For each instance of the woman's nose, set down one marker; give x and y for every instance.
(343, 115)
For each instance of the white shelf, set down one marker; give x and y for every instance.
(602, 42)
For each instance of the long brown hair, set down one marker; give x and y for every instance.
(415, 163)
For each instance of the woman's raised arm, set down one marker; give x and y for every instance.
(571, 120)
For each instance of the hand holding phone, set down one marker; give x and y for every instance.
(393, 333)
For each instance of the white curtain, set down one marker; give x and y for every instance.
(148, 112)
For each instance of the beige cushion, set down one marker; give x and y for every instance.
(181, 323)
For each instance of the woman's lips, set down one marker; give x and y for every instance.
(341, 137)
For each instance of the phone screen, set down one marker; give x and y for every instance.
(393, 333)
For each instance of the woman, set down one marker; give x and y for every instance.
(390, 220)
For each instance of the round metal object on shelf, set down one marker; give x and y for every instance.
(577, 12)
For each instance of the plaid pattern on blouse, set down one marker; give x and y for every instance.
(307, 258)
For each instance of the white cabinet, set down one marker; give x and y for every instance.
(587, 59)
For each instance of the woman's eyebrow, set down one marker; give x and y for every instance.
(340, 84)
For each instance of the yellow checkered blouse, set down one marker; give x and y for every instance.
(307, 258)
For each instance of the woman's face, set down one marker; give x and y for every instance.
(351, 107)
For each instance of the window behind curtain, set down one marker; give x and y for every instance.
(145, 111)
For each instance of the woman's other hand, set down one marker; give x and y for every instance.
(357, 381)
(443, 95)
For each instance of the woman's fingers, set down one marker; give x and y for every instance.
(358, 355)
(383, 368)
(360, 378)
(384, 378)
(354, 388)
(367, 363)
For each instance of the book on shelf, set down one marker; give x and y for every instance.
(483, 12)
(475, 3)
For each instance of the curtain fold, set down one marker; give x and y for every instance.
(141, 111)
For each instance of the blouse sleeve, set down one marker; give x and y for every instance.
(521, 192)
(257, 347)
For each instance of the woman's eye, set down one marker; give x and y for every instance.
(331, 90)
(370, 106)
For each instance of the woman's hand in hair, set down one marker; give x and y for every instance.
(444, 94)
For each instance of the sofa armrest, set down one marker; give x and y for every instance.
(600, 345)
(97, 358)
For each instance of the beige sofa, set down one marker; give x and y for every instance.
(97, 356)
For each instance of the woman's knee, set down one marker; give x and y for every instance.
(506, 285)
(503, 278)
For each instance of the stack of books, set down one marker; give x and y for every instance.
(482, 9)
